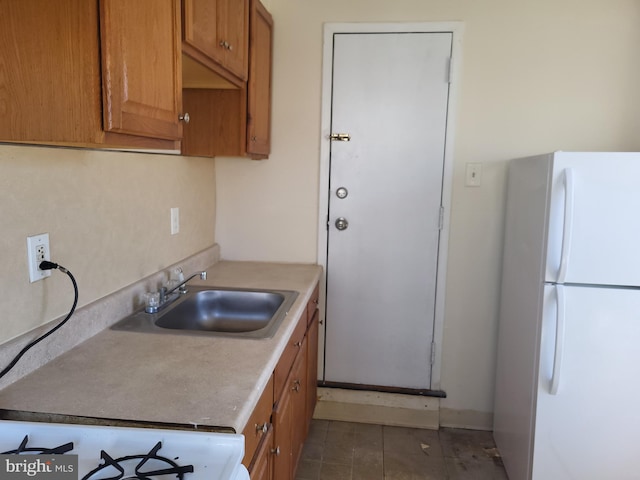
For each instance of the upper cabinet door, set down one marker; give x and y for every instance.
(259, 88)
(216, 35)
(236, 36)
(141, 69)
(200, 28)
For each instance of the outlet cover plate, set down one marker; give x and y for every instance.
(37, 251)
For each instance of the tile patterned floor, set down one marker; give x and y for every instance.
(355, 451)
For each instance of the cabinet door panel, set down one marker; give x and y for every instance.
(259, 88)
(262, 465)
(312, 368)
(298, 386)
(282, 424)
(142, 79)
(49, 50)
(236, 17)
(200, 27)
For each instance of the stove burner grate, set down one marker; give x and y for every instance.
(23, 449)
(156, 466)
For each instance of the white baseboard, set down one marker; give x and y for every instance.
(395, 409)
(377, 407)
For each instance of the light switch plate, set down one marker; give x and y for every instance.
(175, 220)
(473, 175)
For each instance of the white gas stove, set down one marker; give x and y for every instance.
(120, 453)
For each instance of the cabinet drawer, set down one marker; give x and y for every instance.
(313, 304)
(258, 424)
(288, 356)
(260, 467)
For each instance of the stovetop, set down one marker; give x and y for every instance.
(118, 453)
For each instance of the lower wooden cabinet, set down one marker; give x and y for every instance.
(261, 468)
(312, 368)
(283, 442)
(273, 449)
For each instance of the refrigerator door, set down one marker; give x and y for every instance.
(594, 219)
(588, 429)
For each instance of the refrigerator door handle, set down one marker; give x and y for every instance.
(559, 347)
(567, 227)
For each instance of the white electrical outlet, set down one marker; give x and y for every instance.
(175, 220)
(38, 251)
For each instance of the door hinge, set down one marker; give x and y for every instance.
(433, 353)
(450, 70)
(441, 218)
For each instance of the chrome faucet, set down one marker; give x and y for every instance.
(166, 295)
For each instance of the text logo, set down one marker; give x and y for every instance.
(38, 467)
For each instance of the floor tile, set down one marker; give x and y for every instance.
(411, 441)
(470, 469)
(353, 451)
(308, 469)
(335, 472)
(413, 466)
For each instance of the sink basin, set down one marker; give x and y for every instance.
(217, 312)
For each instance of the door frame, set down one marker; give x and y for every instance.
(456, 29)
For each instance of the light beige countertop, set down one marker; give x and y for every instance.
(117, 377)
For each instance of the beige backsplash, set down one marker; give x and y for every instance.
(91, 319)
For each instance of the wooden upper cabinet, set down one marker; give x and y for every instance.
(50, 72)
(216, 35)
(235, 122)
(141, 74)
(259, 87)
(90, 73)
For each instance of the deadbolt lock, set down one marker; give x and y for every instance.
(342, 192)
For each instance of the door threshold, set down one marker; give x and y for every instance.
(380, 408)
(422, 392)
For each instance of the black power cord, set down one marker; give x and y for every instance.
(46, 265)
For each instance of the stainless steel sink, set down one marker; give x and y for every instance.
(217, 312)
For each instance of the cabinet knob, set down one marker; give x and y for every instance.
(297, 344)
(253, 138)
(276, 451)
(262, 428)
(184, 117)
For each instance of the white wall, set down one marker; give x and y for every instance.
(537, 76)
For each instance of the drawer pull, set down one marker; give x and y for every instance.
(262, 428)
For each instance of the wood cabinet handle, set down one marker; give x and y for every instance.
(262, 428)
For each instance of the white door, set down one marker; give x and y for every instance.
(389, 95)
(588, 430)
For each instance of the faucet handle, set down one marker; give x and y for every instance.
(177, 275)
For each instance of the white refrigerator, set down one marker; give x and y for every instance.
(567, 399)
